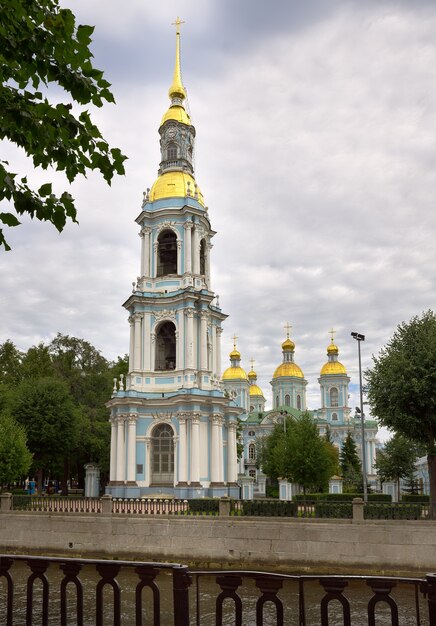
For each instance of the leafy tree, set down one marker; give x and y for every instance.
(350, 466)
(309, 462)
(10, 363)
(45, 409)
(300, 454)
(332, 451)
(15, 458)
(396, 460)
(41, 46)
(37, 363)
(401, 386)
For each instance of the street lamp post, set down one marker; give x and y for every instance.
(358, 337)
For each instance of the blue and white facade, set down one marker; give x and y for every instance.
(173, 428)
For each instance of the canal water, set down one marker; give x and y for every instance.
(203, 603)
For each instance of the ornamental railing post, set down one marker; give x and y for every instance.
(5, 502)
(181, 583)
(431, 590)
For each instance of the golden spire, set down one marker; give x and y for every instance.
(177, 91)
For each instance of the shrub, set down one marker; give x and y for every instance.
(415, 497)
(204, 506)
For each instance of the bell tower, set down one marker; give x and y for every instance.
(173, 429)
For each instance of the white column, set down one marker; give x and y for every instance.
(190, 338)
(213, 360)
(188, 247)
(153, 351)
(203, 340)
(196, 251)
(214, 459)
(221, 451)
(146, 332)
(147, 467)
(145, 256)
(155, 248)
(137, 348)
(219, 331)
(195, 448)
(183, 473)
(231, 453)
(132, 343)
(113, 466)
(179, 258)
(180, 345)
(209, 247)
(131, 450)
(121, 451)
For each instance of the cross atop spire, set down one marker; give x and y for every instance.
(177, 24)
(177, 92)
(287, 327)
(252, 362)
(332, 333)
(234, 341)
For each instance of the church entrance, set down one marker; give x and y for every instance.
(162, 455)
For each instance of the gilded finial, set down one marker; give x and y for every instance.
(287, 327)
(177, 91)
(252, 362)
(332, 333)
(234, 341)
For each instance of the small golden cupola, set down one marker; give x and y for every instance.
(333, 366)
(235, 371)
(254, 390)
(288, 367)
(176, 169)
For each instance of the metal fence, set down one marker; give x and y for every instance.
(316, 509)
(43, 590)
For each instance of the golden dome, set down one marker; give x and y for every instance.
(175, 185)
(176, 112)
(252, 375)
(332, 349)
(333, 367)
(235, 354)
(288, 344)
(288, 369)
(255, 390)
(235, 373)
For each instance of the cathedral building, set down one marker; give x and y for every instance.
(289, 399)
(174, 419)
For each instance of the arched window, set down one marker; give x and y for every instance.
(162, 455)
(167, 253)
(251, 408)
(252, 473)
(334, 416)
(165, 347)
(287, 400)
(334, 397)
(277, 402)
(299, 402)
(202, 257)
(172, 151)
(252, 451)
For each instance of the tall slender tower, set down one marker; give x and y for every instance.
(173, 429)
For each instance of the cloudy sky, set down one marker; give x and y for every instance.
(316, 155)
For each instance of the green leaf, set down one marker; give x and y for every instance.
(9, 219)
(45, 190)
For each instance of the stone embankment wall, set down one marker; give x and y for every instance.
(334, 546)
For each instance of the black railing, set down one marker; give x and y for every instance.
(42, 590)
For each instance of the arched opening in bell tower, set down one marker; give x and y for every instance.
(202, 257)
(172, 152)
(166, 347)
(162, 455)
(334, 397)
(167, 253)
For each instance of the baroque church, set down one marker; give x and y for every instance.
(174, 419)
